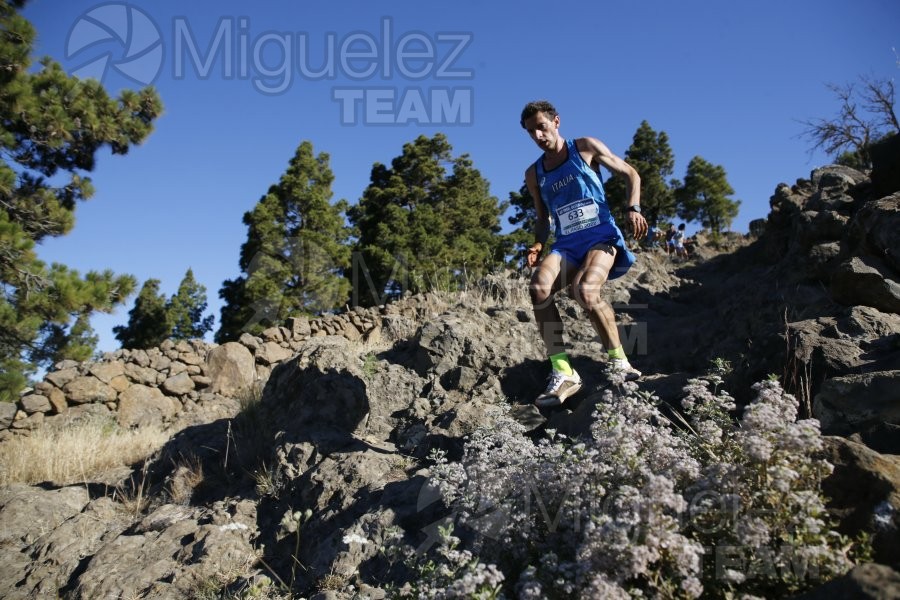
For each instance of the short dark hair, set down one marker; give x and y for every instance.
(533, 108)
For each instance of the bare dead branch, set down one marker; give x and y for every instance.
(864, 116)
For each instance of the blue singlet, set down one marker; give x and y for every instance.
(574, 199)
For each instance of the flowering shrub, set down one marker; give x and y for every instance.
(447, 573)
(707, 507)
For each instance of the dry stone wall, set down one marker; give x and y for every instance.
(142, 387)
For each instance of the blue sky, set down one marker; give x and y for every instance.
(725, 80)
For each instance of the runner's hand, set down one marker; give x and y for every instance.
(532, 255)
(638, 225)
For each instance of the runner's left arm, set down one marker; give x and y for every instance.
(601, 155)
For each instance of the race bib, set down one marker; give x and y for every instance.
(578, 215)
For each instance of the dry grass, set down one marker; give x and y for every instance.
(332, 582)
(133, 495)
(187, 475)
(75, 454)
(268, 480)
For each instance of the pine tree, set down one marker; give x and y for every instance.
(153, 319)
(470, 220)
(82, 339)
(76, 342)
(651, 156)
(296, 252)
(704, 196)
(51, 126)
(420, 226)
(519, 239)
(148, 322)
(185, 310)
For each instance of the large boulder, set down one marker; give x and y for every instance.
(823, 260)
(839, 177)
(440, 345)
(58, 554)
(820, 226)
(491, 340)
(869, 581)
(320, 393)
(864, 495)
(853, 402)
(172, 553)
(140, 406)
(835, 346)
(231, 369)
(875, 230)
(868, 281)
(27, 514)
(886, 165)
(27, 511)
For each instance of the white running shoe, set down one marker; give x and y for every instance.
(620, 366)
(560, 387)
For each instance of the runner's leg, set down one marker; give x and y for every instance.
(550, 276)
(586, 287)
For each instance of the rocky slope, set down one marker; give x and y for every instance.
(296, 455)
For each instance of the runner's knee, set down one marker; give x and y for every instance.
(540, 291)
(540, 294)
(587, 294)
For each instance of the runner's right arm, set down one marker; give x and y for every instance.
(542, 220)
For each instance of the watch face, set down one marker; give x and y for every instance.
(635, 208)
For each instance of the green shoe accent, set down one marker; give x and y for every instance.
(560, 362)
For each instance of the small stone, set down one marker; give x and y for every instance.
(88, 389)
(7, 414)
(58, 400)
(62, 377)
(30, 422)
(105, 372)
(272, 334)
(35, 403)
(119, 383)
(178, 385)
(249, 341)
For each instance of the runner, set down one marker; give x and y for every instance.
(588, 248)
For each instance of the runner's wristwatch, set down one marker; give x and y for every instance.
(635, 208)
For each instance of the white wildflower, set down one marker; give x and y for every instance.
(757, 447)
(709, 432)
(355, 538)
(752, 531)
(692, 587)
(602, 587)
(733, 576)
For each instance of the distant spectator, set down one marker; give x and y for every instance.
(690, 245)
(670, 239)
(679, 242)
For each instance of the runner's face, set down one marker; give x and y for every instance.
(543, 130)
